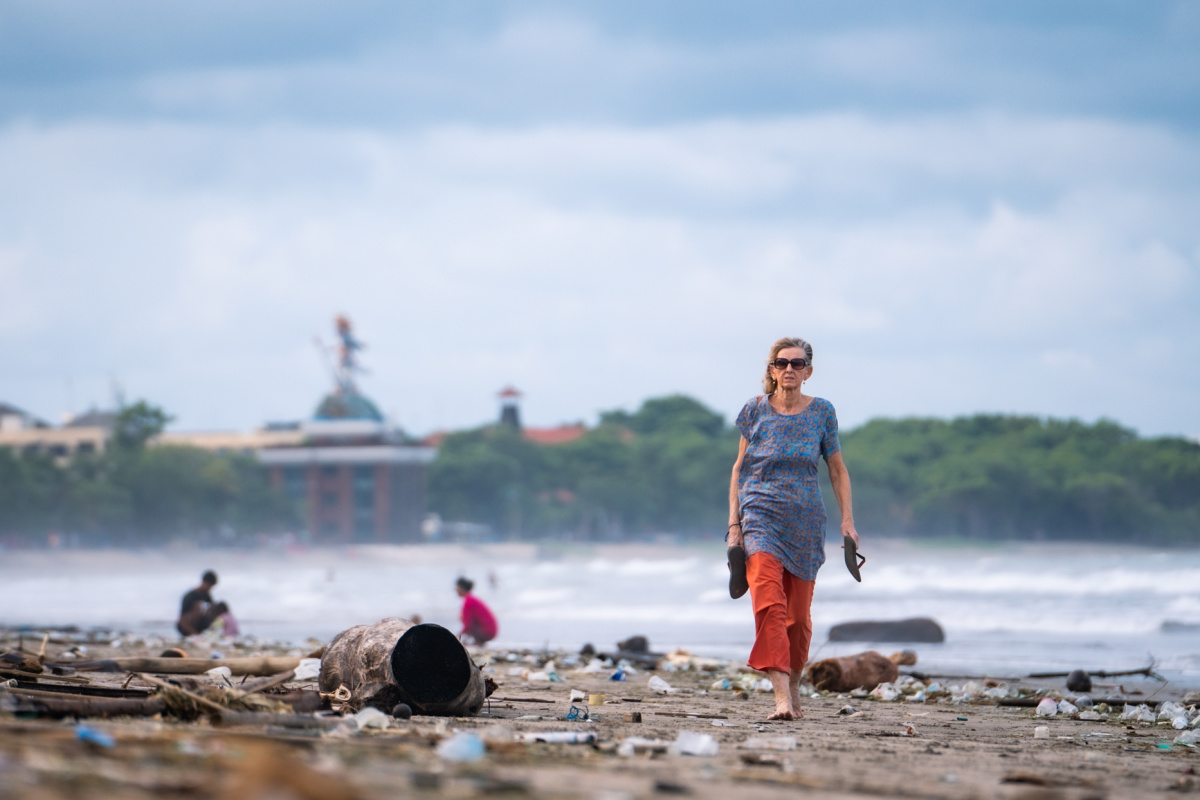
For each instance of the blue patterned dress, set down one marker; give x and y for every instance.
(780, 498)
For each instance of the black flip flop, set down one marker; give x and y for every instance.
(738, 585)
(852, 558)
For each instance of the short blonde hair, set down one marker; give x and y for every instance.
(769, 384)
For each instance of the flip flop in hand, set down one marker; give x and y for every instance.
(738, 584)
(853, 562)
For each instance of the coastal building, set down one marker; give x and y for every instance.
(355, 476)
(27, 434)
(510, 417)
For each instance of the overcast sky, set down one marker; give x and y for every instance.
(964, 207)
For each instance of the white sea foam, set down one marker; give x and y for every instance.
(1032, 607)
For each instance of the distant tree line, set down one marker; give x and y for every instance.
(134, 494)
(666, 468)
(662, 469)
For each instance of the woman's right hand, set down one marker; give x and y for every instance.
(734, 537)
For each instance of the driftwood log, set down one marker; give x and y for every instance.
(25, 662)
(395, 661)
(259, 665)
(1148, 671)
(863, 671)
(85, 707)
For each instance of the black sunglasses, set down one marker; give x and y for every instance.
(797, 363)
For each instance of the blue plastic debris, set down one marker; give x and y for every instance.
(92, 736)
(619, 675)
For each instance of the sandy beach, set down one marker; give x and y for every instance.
(845, 746)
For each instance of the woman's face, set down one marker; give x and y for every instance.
(789, 377)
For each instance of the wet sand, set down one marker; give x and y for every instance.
(935, 749)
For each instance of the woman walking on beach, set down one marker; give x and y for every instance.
(776, 533)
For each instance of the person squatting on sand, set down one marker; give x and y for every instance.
(479, 624)
(199, 612)
(777, 518)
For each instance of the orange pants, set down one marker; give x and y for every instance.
(782, 615)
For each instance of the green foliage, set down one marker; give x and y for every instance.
(991, 476)
(134, 493)
(137, 424)
(667, 466)
(653, 470)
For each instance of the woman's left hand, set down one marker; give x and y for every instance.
(848, 530)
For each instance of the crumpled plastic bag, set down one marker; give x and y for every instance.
(690, 743)
(1140, 713)
(309, 669)
(1047, 707)
(886, 692)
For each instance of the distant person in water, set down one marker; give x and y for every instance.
(199, 612)
(479, 624)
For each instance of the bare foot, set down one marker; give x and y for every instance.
(794, 695)
(781, 713)
(783, 700)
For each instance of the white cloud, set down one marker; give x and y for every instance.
(594, 266)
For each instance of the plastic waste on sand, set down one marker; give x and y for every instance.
(219, 672)
(371, 717)
(637, 744)
(461, 746)
(1041, 732)
(91, 735)
(658, 685)
(769, 743)
(690, 743)
(309, 669)
(1170, 710)
(1090, 716)
(1188, 737)
(560, 737)
(1047, 707)
(619, 675)
(577, 695)
(1174, 712)
(1067, 707)
(1140, 713)
(885, 692)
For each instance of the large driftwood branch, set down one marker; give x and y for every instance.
(270, 682)
(261, 665)
(40, 676)
(1148, 671)
(80, 707)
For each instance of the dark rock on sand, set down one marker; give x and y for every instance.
(1079, 681)
(917, 629)
(634, 644)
